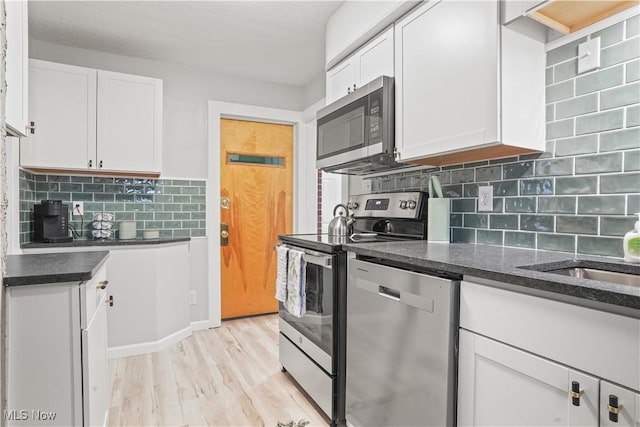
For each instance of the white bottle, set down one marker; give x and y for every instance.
(632, 243)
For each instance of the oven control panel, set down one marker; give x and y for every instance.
(410, 205)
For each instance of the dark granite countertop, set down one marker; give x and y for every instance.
(103, 242)
(502, 264)
(32, 269)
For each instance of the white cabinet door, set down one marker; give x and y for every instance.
(340, 79)
(62, 103)
(372, 60)
(628, 402)
(375, 59)
(129, 122)
(17, 75)
(447, 75)
(499, 385)
(95, 376)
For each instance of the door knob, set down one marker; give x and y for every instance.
(224, 234)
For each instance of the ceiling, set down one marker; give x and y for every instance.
(274, 41)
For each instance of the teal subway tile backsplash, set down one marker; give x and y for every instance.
(577, 197)
(176, 207)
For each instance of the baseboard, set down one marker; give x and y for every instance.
(149, 346)
(201, 325)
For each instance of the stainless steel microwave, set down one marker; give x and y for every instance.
(356, 133)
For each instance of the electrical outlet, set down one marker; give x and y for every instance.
(485, 198)
(193, 298)
(78, 209)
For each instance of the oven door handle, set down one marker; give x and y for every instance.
(322, 260)
(317, 258)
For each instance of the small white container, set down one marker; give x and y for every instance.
(127, 230)
(151, 233)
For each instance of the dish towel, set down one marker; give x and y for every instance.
(296, 297)
(282, 271)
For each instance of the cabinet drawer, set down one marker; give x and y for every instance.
(604, 344)
(91, 294)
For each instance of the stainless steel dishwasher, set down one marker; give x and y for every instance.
(401, 347)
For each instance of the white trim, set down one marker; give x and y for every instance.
(149, 346)
(600, 25)
(201, 325)
(218, 110)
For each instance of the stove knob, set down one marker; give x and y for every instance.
(403, 204)
(412, 204)
(354, 205)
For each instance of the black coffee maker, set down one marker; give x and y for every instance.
(51, 222)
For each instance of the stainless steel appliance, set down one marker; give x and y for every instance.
(51, 222)
(313, 347)
(401, 339)
(356, 132)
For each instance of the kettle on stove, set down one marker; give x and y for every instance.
(339, 225)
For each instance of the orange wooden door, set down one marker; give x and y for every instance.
(256, 177)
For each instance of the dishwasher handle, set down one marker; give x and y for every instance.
(403, 297)
(383, 291)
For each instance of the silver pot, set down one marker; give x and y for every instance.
(339, 226)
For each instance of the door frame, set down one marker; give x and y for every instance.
(303, 178)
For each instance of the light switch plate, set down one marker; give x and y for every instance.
(485, 198)
(589, 55)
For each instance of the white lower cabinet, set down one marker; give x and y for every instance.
(95, 375)
(527, 360)
(627, 404)
(57, 354)
(501, 385)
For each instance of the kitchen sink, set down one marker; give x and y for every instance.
(602, 275)
(593, 270)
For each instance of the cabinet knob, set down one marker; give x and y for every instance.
(31, 127)
(613, 408)
(102, 285)
(100, 164)
(576, 393)
(90, 163)
(110, 301)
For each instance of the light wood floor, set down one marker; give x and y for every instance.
(228, 376)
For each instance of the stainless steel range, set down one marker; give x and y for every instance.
(312, 347)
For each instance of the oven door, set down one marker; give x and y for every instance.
(313, 332)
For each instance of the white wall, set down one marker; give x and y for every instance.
(186, 93)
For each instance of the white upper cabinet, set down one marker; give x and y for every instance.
(372, 60)
(62, 103)
(93, 120)
(340, 79)
(17, 62)
(466, 88)
(129, 122)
